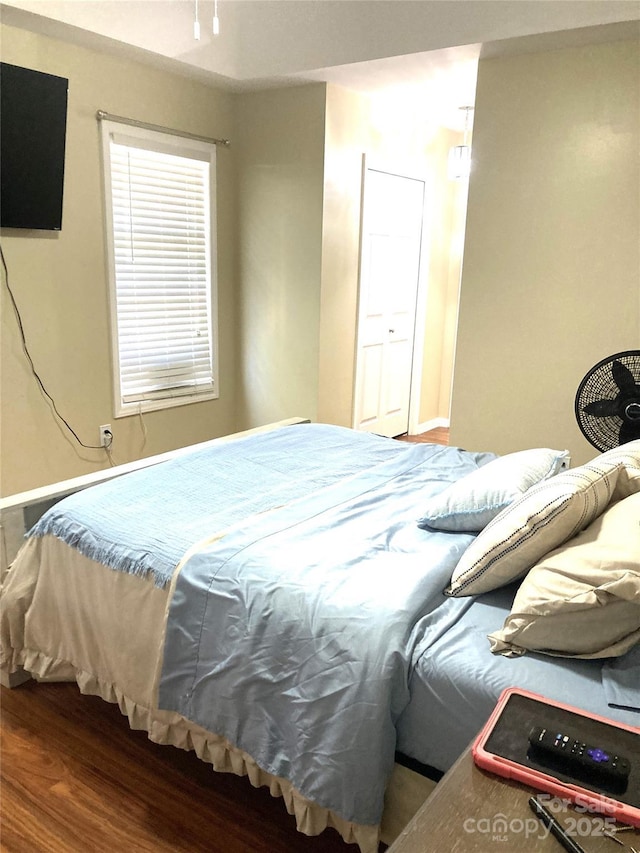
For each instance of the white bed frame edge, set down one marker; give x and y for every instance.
(19, 512)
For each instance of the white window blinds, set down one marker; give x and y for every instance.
(161, 216)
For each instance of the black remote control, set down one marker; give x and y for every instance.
(579, 759)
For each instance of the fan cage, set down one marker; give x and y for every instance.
(603, 432)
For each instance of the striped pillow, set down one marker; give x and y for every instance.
(546, 516)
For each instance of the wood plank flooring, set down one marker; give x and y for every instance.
(440, 435)
(74, 778)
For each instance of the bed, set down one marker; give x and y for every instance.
(311, 606)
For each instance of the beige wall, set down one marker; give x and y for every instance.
(347, 118)
(449, 204)
(299, 179)
(280, 136)
(59, 280)
(551, 279)
(396, 136)
(287, 288)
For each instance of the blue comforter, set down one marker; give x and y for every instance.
(144, 522)
(294, 635)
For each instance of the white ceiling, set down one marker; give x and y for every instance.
(366, 45)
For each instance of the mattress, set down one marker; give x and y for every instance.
(456, 681)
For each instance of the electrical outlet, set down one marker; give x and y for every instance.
(106, 436)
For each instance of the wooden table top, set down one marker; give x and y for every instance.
(473, 811)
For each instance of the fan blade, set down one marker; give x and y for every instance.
(603, 408)
(623, 377)
(629, 431)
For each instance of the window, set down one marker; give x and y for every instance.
(160, 200)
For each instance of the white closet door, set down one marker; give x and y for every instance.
(391, 240)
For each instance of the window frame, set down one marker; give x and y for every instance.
(166, 142)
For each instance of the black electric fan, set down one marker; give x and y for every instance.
(608, 401)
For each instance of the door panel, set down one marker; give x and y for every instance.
(371, 368)
(389, 275)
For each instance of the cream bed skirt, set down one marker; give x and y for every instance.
(64, 617)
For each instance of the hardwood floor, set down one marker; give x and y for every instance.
(440, 435)
(75, 779)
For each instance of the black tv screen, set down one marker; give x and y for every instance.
(33, 122)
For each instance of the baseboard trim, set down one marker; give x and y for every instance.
(434, 423)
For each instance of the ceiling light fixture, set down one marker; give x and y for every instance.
(459, 166)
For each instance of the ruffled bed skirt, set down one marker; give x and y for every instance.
(165, 727)
(62, 619)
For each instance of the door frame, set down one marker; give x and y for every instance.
(417, 355)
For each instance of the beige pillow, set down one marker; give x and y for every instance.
(582, 600)
(628, 455)
(546, 516)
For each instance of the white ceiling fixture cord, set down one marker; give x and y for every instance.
(196, 22)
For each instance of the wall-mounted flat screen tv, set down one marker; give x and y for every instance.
(33, 122)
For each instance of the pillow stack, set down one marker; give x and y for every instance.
(546, 516)
(577, 600)
(582, 600)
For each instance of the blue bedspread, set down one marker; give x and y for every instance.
(294, 636)
(154, 515)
